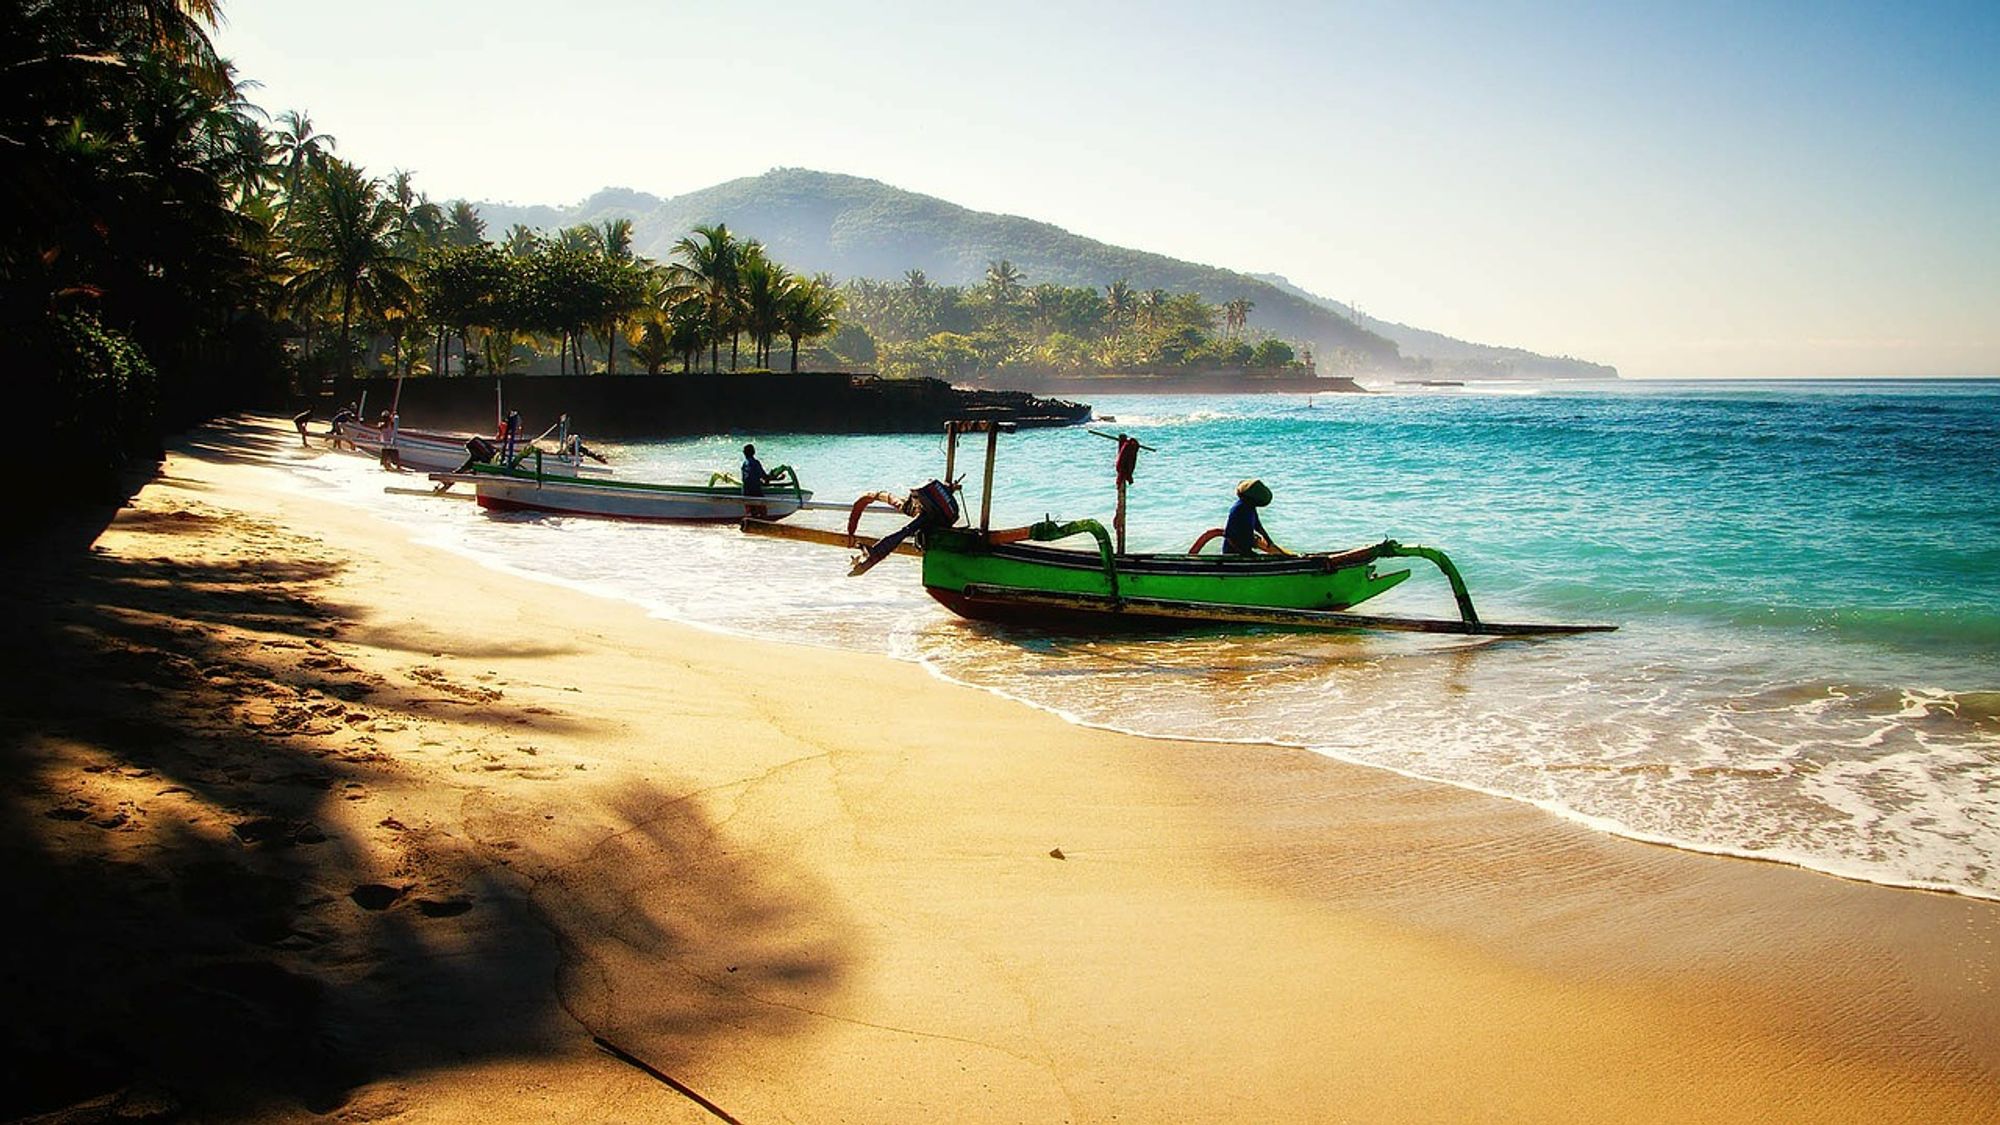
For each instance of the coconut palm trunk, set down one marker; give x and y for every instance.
(346, 320)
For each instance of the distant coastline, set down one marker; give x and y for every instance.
(1290, 382)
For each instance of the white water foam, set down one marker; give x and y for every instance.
(1704, 752)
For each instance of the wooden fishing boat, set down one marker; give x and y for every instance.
(529, 486)
(439, 451)
(427, 451)
(1017, 576)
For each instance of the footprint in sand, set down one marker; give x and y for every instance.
(376, 896)
(276, 832)
(444, 907)
(432, 677)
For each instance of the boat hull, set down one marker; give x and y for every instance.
(431, 451)
(504, 490)
(999, 582)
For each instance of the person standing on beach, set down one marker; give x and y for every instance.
(754, 478)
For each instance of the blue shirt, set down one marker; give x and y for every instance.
(1239, 535)
(753, 477)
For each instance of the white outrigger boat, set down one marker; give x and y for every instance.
(531, 484)
(436, 451)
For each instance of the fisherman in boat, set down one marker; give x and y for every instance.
(1244, 534)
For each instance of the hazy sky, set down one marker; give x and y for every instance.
(1681, 190)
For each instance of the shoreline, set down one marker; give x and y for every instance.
(1610, 825)
(818, 885)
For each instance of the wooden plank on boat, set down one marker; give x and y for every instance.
(1257, 615)
(817, 535)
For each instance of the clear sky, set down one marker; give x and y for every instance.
(1680, 189)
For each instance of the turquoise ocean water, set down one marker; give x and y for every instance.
(1806, 576)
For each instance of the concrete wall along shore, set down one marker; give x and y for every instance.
(675, 405)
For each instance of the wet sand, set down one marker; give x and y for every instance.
(306, 819)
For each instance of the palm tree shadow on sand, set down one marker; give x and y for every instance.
(201, 920)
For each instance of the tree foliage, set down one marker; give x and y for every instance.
(1009, 324)
(129, 273)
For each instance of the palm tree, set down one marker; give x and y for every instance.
(764, 287)
(420, 223)
(612, 238)
(707, 270)
(654, 345)
(300, 150)
(688, 331)
(1003, 281)
(1045, 303)
(1236, 314)
(808, 310)
(521, 240)
(344, 245)
(463, 226)
(1119, 302)
(629, 284)
(920, 304)
(1152, 303)
(174, 28)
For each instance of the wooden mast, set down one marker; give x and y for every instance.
(1118, 516)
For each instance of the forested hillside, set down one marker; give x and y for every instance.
(858, 228)
(851, 227)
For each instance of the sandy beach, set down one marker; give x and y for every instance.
(305, 819)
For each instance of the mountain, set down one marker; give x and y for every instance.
(1448, 355)
(847, 226)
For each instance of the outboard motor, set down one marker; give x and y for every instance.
(478, 451)
(933, 505)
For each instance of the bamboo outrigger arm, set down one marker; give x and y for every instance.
(887, 499)
(1048, 531)
(1390, 549)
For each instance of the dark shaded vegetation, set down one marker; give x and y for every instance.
(129, 235)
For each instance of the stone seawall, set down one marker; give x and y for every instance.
(673, 405)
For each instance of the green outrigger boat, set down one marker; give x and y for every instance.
(1017, 576)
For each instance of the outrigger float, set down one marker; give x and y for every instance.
(1013, 575)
